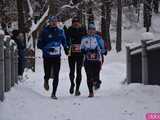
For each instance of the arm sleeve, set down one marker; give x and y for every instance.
(68, 37)
(102, 45)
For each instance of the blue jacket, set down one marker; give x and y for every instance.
(93, 43)
(50, 41)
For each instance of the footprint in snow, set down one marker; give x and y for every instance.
(128, 113)
(77, 104)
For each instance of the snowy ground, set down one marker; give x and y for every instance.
(114, 101)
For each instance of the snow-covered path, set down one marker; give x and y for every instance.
(114, 101)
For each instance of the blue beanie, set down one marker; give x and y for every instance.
(91, 26)
(52, 18)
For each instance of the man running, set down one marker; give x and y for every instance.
(50, 41)
(75, 59)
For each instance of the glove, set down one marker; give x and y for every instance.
(105, 53)
(66, 50)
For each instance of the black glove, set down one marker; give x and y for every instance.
(106, 52)
(66, 50)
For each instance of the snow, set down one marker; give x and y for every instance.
(113, 101)
(67, 6)
(30, 43)
(30, 8)
(147, 36)
(68, 23)
(34, 27)
(1, 32)
(12, 42)
(132, 31)
(6, 37)
(71, 6)
(155, 23)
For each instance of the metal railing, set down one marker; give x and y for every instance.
(8, 64)
(143, 63)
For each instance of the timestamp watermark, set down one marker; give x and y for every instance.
(153, 116)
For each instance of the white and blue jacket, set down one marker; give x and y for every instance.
(93, 43)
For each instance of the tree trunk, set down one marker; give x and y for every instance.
(147, 12)
(156, 6)
(2, 11)
(119, 27)
(20, 16)
(52, 7)
(105, 22)
(80, 15)
(90, 16)
(108, 21)
(83, 19)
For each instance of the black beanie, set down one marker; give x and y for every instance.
(75, 19)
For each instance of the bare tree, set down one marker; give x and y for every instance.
(20, 15)
(119, 26)
(156, 6)
(147, 12)
(105, 21)
(52, 7)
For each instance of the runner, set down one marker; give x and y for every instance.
(75, 59)
(92, 46)
(50, 42)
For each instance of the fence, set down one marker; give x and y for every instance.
(8, 64)
(143, 63)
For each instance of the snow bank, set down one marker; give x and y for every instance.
(1, 32)
(155, 23)
(6, 37)
(148, 36)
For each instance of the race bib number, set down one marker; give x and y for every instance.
(54, 51)
(76, 48)
(93, 56)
